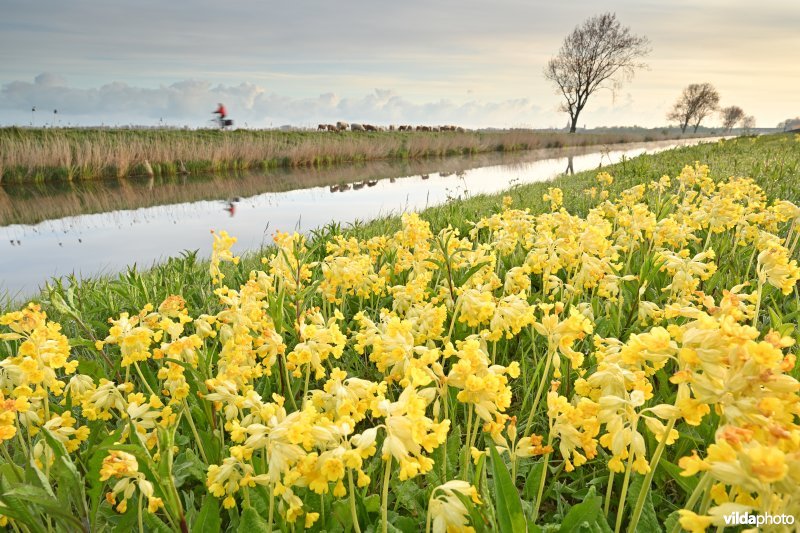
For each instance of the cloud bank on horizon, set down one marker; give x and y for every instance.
(191, 102)
(303, 63)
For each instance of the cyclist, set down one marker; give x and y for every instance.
(222, 114)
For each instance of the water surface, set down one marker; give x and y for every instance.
(88, 228)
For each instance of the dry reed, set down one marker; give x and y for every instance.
(45, 154)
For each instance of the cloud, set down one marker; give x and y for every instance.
(190, 102)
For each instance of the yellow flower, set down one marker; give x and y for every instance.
(693, 522)
(446, 511)
(767, 463)
(221, 252)
(310, 519)
(555, 197)
(409, 431)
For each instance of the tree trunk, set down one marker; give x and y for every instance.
(574, 124)
(683, 127)
(696, 126)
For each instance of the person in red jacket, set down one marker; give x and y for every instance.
(222, 114)
(221, 111)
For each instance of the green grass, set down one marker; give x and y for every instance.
(570, 498)
(773, 161)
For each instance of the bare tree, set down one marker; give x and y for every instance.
(789, 124)
(591, 57)
(731, 116)
(748, 123)
(695, 103)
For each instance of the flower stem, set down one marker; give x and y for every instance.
(758, 303)
(139, 513)
(194, 431)
(624, 493)
(385, 501)
(540, 492)
(609, 491)
(637, 511)
(539, 391)
(356, 527)
(271, 507)
(698, 490)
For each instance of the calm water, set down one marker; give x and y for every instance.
(100, 227)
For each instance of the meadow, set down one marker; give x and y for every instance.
(30, 154)
(612, 351)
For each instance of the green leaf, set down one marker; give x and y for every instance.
(478, 522)
(648, 522)
(372, 503)
(34, 477)
(251, 521)
(154, 523)
(775, 318)
(532, 481)
(341, 518)
(188, 466)
(587, 514)
(471, 272)
(208, 519)
(687, 484)
(45, 503)
(509, 507)
(11, 473)
(90, 367)
(404, 524)
(671, 521)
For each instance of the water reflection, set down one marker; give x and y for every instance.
(31, 203)
(570, 167)
(102, 226)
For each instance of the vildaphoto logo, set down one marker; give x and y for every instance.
(748, 519)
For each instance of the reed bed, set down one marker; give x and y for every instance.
(33, 202)
(72, 154)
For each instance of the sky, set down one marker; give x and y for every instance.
(466, 62)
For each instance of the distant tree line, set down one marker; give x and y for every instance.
(700, 100)
(789, 124)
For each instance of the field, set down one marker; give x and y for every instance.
(615, 349)
(76, 154)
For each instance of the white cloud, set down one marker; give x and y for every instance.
(190, 102)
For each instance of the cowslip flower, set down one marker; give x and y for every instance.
(125, 468)
(446, 512)
(221, 252)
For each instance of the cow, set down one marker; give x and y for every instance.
(370, 127)
(357, 186)
(331, 127)
(342, 126)
(322, 127)
(356, 127)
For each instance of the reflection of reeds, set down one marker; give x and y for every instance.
(30, 203)
(45, 154)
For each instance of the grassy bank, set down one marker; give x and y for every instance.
(75, 154)
(615, 350)
(773, 161)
